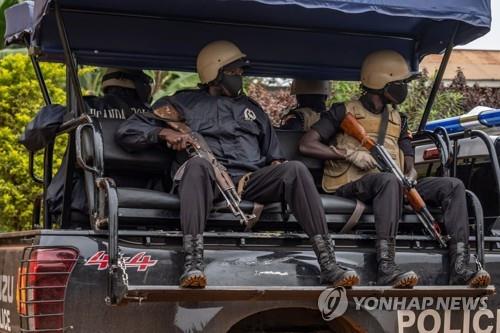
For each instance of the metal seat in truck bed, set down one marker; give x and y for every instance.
(148, 199)
(138, 205)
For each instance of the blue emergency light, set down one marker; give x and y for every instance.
(487, 118)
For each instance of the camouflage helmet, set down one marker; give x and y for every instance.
(310, 87)
(382, 67)
(215, 56)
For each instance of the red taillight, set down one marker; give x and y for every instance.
(43, 277)
(431, 154)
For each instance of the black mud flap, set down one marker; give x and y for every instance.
(278, 293)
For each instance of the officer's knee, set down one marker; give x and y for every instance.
(386, 178)
(296, 167)
(198, 164)
(455, 185)
(387, 181)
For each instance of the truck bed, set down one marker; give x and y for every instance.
(248, 274)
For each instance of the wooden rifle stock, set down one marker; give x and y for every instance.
(352, 127)
(414, 199)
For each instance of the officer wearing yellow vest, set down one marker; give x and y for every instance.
(350, 171)
(311, 101)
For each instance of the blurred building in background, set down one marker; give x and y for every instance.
(481, 67)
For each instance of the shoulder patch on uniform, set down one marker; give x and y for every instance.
(249, 114)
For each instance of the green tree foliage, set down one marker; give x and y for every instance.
(448, 103)
(167, 83)
(20, 99)
(475, 95)
(344, 91)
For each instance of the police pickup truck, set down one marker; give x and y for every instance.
(56, 278)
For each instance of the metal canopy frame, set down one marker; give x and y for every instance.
(75, 101)
(77, 106)
(439, 79)
(48, 151)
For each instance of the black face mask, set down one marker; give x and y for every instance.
(142, 83)
(143, 89)
(232, 83)
(396, 91)
(313, 101)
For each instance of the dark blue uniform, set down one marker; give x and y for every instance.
(241, 137)
(237, 130)
(118, 103)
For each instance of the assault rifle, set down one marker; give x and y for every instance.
(385, 162)
(197, 146)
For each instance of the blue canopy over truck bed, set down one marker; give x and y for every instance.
(320, 39)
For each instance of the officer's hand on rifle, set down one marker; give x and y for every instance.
(361, 158)
(276, 162)
(412, 175)
(409, 168)
(175, 140)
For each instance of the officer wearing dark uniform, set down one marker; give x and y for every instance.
(126, 92)
(241, 137)
(311, 98)
(351, 171)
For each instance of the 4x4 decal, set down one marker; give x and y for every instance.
(141, 261)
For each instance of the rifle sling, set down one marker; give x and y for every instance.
(354, 218)
(382, 130)
(256, 212)
(242, 183)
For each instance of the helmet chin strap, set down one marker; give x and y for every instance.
(380, 94)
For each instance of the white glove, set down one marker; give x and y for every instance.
(412, 175)
(361, 158)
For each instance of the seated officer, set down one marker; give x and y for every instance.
(240, 135)
(351, 172)
(311, 101)
(126, 92)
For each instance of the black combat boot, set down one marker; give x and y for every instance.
(461, 271)
(193, 276)
(388, 273)
(331, 273)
